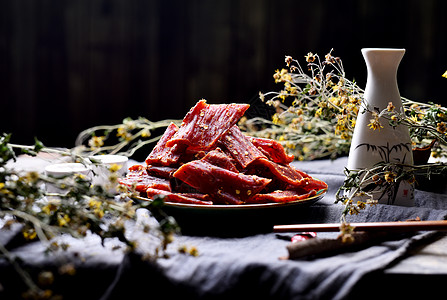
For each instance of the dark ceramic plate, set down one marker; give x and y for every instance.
(234, 220)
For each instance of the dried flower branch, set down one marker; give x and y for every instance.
(316, 112)
(78, 209)
(125, 139)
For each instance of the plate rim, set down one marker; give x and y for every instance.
(320, 194)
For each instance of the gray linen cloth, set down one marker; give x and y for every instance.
(250, 266)
(232, 265)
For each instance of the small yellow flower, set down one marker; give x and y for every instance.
(81, 176)
(354, 100)
(415, 106)
(312, 91)
(145, 133)
(334, 100)
(182, 249)
(445, 74)
(115, 168)
(344, 100)
(283, 95)
(290, 88)
(63, 220)
(390, 176)
(361, 204)
(414, 119)
(193, 251)
(123, 133)
(282, 76)
(94, 203)
(310, 57)
(441, 127)
(129, 123)
(346, 231)
(375, 124)
(99, 213)
(376, 178)
(29, 234)
(49, 208)
(96, 142)
(290, 145)
(329, 58)
(342, 92)
(345, 136)
(390, 107)
(3, 189)
(277, 76)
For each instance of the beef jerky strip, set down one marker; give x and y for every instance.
(218, 158)
(281, 196)
(221, 184)
(162, 155)
(204, 124)
(176, 197)
(240, 147)
(272, 149)
(160, 171)
(137, 177)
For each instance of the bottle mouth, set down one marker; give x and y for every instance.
(383, 49)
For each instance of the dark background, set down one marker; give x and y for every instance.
(69, 65)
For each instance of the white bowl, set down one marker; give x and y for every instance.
(66, 169)
(61, 170)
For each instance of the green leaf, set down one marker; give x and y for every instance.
(38, 145)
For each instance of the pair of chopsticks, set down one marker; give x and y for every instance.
(366, 227)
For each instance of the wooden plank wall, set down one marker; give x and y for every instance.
(68, 65)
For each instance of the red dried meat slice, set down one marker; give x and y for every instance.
(138, 177)
(160, 171)
(273, 150)
(191, 154)
(179, 186)
(176, 197)
(281, 196)
(287, 174)
(222, 185)
(204, 124)
(313, 184)
(163, 155)
(218, 158)
(198, 196)
(240, 147)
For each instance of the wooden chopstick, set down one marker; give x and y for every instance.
(367, 226)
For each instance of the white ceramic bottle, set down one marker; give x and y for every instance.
(388, 143)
